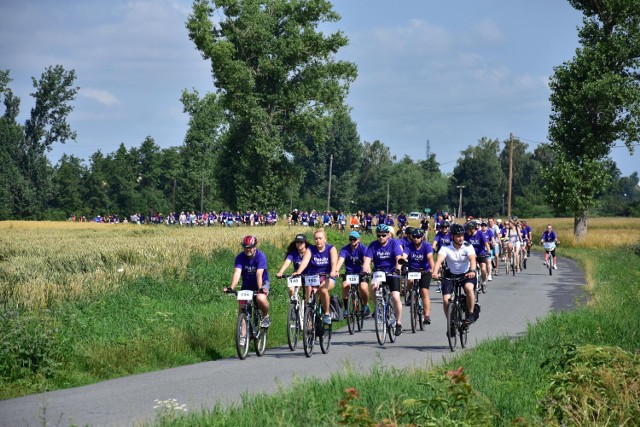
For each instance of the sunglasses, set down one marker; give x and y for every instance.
(352, 239)
(382, 235)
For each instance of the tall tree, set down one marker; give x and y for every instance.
(375, 174)
(595, 102)
(68, 178)
(278, 81)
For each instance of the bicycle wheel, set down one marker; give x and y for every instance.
(242, 338)
(308, 331)
(463, 329)
(381, 327)
(405, 287)
(420, 312)
(452, 324)
(507, 262)
(293, 327)
(524, 260)
(550, 265)
(259, 333)
(325, 339)
(513, 263)
(414, 311)
(351, 317)
(391, 321)
(359, 313)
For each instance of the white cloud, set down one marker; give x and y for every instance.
(487, 31)
(104, 97)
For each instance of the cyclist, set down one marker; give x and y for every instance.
(443, 237)
(320, 260)
(406, 237)
(480, 244)
(368, 223)
(402, 220)
(549, 236)
(461, 261)
(495, 229)
(251, 266)
(352, 256)
(295, 252)
(420, 256)
(526, 237)
(513, 240)
(385, 253)
(488, 233)
(342, 221)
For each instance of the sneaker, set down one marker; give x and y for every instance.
(555, 267)
(398, 330)
(366, 312)
(471, 317)
(490, 278)
(427, 320)
(439, 289)
(242, 341)
(266, 321)
(327, 319)
(345, 313)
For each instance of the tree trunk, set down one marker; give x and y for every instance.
(580, 226)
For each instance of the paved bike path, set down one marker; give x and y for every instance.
(511, 303)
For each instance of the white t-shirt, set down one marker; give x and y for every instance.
(458, 259)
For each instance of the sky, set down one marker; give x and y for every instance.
(438, 73)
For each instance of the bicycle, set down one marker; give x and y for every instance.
(313, 324)
(248, 326)
(295, 314)
(355, 306)
(548, 248)
(416, 309)
(455, 315)
(385, 317)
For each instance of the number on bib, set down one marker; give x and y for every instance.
(353, 279)
(313, 281)
(245, 295)
(414, 275)
(379, 276)
(294, 282)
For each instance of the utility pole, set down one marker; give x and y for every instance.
(329, 192)
(510, 175)
(460, 187)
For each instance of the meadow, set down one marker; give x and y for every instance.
(87, 302)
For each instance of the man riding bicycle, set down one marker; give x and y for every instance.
(352, 256)
(461, 262)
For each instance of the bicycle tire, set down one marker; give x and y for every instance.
(513, 263)
(405, 286)
(413, 313)
(381, 327)
(452, 324)
(259, 333)
(308, 331)
(391, 321)
(242, 350)
(507, 266)
(325, 339)
(359, 313)
(293, 327)
(351, 317)
(550, 265)
(462, 329)
(420, 312)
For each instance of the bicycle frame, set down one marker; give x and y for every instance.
(455, 323)
(384, 312)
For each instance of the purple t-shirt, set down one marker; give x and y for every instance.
(442, 239)
(549, 236)
(353, 257)
(418, 258)
(384, 257)
(250, 266)
(295, 258)
(320, 262)
(478, 241)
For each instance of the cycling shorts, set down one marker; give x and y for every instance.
(448, 283)
(425, 280)
(393, 282)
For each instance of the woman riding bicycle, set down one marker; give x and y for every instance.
(385, 252)
(420, 256)
(549, 236)
(352, 256)
(320, 260)
(295, 252)
(251, 266)
(461, 262)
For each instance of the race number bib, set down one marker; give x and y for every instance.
(353, 279)
(549, 246)
(313, 281)
(414, 275)
(294, 282)
(379, 276)
(245, 295)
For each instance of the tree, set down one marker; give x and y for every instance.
(595, 103)
(375, 173)
(68, 178)
(278, 82)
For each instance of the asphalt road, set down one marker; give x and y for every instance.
(510, 304)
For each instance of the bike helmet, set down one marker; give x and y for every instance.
(382, 228)
(457, 229)
(409, 230)
(417, 232)
(445, 224)
(471, 225)
(249, 242)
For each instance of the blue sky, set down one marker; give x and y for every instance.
(447, 72)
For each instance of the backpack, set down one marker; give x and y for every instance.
(335, 307)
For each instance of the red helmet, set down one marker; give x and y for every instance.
(249, 242)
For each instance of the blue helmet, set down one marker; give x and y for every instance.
(382, 228)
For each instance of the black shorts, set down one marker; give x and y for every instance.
(448, 283)
(393, 282)
(482, 258)
(425, 280)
